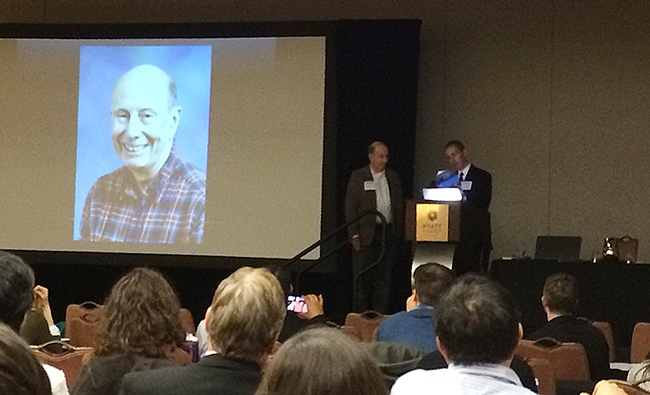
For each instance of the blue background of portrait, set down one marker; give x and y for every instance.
(99, 69)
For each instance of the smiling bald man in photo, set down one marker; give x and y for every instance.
(156, 197)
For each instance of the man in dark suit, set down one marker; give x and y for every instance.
(374, 188)
(559, 298)
(474, 245)
(244, 322)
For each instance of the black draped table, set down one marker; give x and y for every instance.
(615, 292)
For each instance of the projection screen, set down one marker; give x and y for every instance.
(183, 146)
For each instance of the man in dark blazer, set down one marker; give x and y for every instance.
(559, 299)
(474, 245)
(243, 324)
(374, 187)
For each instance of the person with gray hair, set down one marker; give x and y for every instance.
(244, 322)
(322, 361)
(156, 197)
(374, 187)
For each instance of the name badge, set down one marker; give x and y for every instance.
(466, 186)
(369, 186)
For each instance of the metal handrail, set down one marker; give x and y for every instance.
(317, 244)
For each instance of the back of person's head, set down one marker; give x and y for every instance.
(246, 314)
(16, 289)
(477, 321)
(141, 317)
(561, 293)
(322, 361)
(430, 281)
(20, 371)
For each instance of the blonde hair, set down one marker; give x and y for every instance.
(322, 361)
(246, 314)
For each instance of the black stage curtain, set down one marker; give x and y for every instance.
(376, 69)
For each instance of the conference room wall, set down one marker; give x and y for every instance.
(550, 96)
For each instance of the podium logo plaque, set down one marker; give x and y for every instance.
(432, 222)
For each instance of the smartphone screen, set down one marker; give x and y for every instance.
(296, 304)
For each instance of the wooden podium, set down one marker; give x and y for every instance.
(431, 221)
(433, 226)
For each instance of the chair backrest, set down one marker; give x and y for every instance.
(366, 324)
(351, 331)
(640, 342)
(606, 329)
(187, 322)
(569, 360)
(70, 360)
(628, 249)
(561, 248)
(543, 370)
(82, 323)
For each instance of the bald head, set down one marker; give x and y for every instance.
(145, 117)
(378, 156)
(150, 78)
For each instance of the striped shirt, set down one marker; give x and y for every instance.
(169, 209)
(482, 379)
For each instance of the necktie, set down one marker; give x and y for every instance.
(460, 177)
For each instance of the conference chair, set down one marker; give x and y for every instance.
(82, 323)
(569, 360)
(366, 324)
(606, 330)
(63, 356)
(640, 346)
(187, 322)
(351, 331)
(543, 370)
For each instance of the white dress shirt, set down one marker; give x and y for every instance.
(481, 379)
(464, 172)
(57, 380)
(383, 195)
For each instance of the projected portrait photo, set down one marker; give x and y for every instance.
(142, 143)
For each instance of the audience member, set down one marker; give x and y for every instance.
(140, 331)
(640, 373)
(38, 326)
(477, 328)
(244, 322)
(559, 298)
(16, 295)
(415, 326)
(20, 371)
(322, 361)
(202, 336)
(295, 322)
(606, 387)
(435, 360)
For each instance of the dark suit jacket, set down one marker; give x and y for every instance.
(357, 200)
(475, 209)
(214, 374)
(102, 374)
